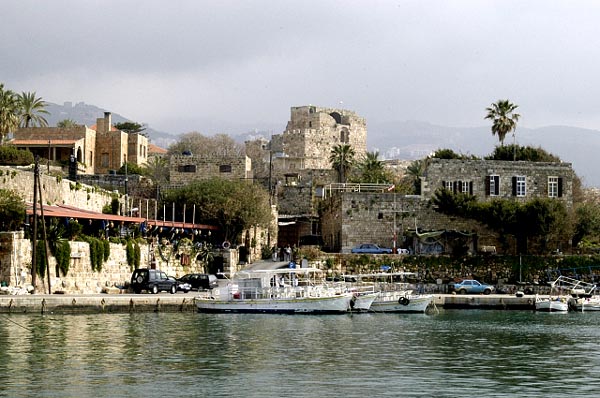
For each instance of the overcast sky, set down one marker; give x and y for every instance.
(191, 65)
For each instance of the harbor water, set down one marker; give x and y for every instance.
(448, 354)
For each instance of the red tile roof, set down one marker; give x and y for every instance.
(156, 149)
(42, 142)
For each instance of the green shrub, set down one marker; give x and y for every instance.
(9, 155)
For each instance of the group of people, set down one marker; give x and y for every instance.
(283, 253)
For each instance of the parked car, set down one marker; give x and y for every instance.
(471, 286)
(200, 281)
(371, 248)
(182, 286)
(152, 280)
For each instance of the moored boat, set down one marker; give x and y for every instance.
(393, 294)
(401, 301)
(287, 291)
(551, 304)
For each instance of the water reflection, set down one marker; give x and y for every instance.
(156, 354)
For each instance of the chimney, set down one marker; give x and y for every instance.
(107, 121)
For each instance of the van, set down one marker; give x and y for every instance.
(200, 281)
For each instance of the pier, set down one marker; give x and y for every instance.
(184, 302)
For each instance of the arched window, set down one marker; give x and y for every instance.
(337, 117)
(79, 155)
(344, 136)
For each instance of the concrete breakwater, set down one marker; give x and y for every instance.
(97, 303)
(123, 303)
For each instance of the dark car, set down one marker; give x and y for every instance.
(200, 281)
(371, 248)
(152, 280)
(181, 286)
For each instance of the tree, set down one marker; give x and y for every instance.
(504, 119)
(197, 144)
(131, 168)
(31, 109)
(9, 112)
(66, 124)
(341, 159)
(414, 172)
(232, 205)
(130, 127)
(517, 152)
(157, 168)
(371, 170)
(12, 210)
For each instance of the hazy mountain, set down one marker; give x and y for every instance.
(400, 139)
(82, 113)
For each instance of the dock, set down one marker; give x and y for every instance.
(184, 302)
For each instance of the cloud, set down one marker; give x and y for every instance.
(179, 65)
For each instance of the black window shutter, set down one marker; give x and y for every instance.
(444, 184)
(487, 185)
(514, 186)
(496, 185)
(560, 187)
(454, 184)
(470, 187)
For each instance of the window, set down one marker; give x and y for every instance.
(555, 187)
(493, 185)
(188, 168)
(519, 186)
(464, 187)
(449, 186)
(225, 168)
(104, 160)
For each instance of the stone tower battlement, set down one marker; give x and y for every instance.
(312, 132)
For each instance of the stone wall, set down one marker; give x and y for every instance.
(15, 266)
(312, 132)
(55, 190)
(184, 169)
(351, 218)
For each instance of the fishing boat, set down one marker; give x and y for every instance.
(392, 296)
(558, 300)
(551, 304)
(582, 296)
(288, 291)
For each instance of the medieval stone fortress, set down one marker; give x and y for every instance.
(309, 199)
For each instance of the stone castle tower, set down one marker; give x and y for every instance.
(311, 134)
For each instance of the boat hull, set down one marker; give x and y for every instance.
(363, 302)
(304, 305)
(402, 303)
(549, 305)
(585, 304)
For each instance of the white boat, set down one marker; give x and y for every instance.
(582, 296)
(362, 301)
(583, 304)
(551, 304)
(401, 301)
(392, 296)
(276, 291)
(559, 299)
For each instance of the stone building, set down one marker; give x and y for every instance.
(295, 165)
(352, 216)
(98, 149)
(186, 168)
(497, 179)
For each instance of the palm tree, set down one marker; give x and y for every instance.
(31, 109)
(9, 109)
(341, 159)
(66, 124)
(504, 118)
(415, 172)
(372, 169)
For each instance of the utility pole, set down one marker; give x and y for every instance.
(36, 176)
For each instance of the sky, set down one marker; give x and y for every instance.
(195, 65)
